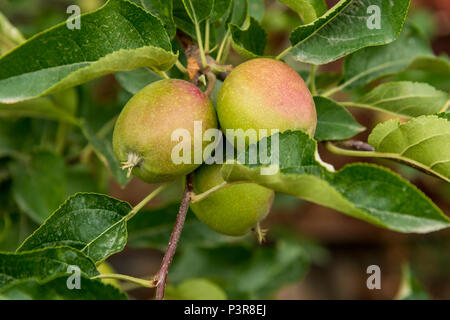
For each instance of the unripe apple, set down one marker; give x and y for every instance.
(142, 137)
(266, 94)
(232, 210)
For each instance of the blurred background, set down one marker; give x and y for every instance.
(311, 252)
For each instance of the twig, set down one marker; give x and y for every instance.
(123, 277)
(201, 196)
(282, 54)
(355, 145)
(160, 279)
(181, 67)
(222, 45)
(211, 82)
(367, 153)
(146, 200)
(312, 79)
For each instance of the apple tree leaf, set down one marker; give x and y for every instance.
(349, 26)
(308, 10)
(251, 41)
(135, 80)
(42, 264)
(118, 36)
(92, 223)
(368, 64)
(56, 289)
(334, 122)
(10, 36)
(404, 98)
(363, 191)
(422, 142)
(163, 9)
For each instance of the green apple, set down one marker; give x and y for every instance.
(233, 210)
(265, 94)
(143, 139)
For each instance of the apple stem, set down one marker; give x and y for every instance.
(211, 82)
(199, 197)
(123, 277)
(161, 277)
(312, 79)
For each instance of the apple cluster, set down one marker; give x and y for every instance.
(258, 94)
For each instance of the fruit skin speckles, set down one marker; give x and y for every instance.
(233, 210)
(266, 94)
(145, 126)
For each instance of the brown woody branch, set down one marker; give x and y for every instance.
(355, 145)
(160, 279)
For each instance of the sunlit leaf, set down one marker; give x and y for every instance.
(363, 191)
(422, 142)
(403, 98)
(345, 29)
(250, 41)
(371, 63)
(118, 36)
(92, 223)
(334, 122)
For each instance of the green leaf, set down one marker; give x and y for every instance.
(244, 273)
(334, 122)
(92, 223)
(368, 64)
(195, 289)
(10, 36)
(56, 289)
(363, 191)
(39, 184)
(344, 29)
(152, 229)
(42, 265)
(41, 108)
(163, 9)
(327, 79)
(256, 9)
(308, 10)
(221, 8)
(403, 98)
(198, 10)
(135, 80)
(118, 36)
(422, 142)
(239, 13)
(251, 41)
(104, 150)
(437, 65)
